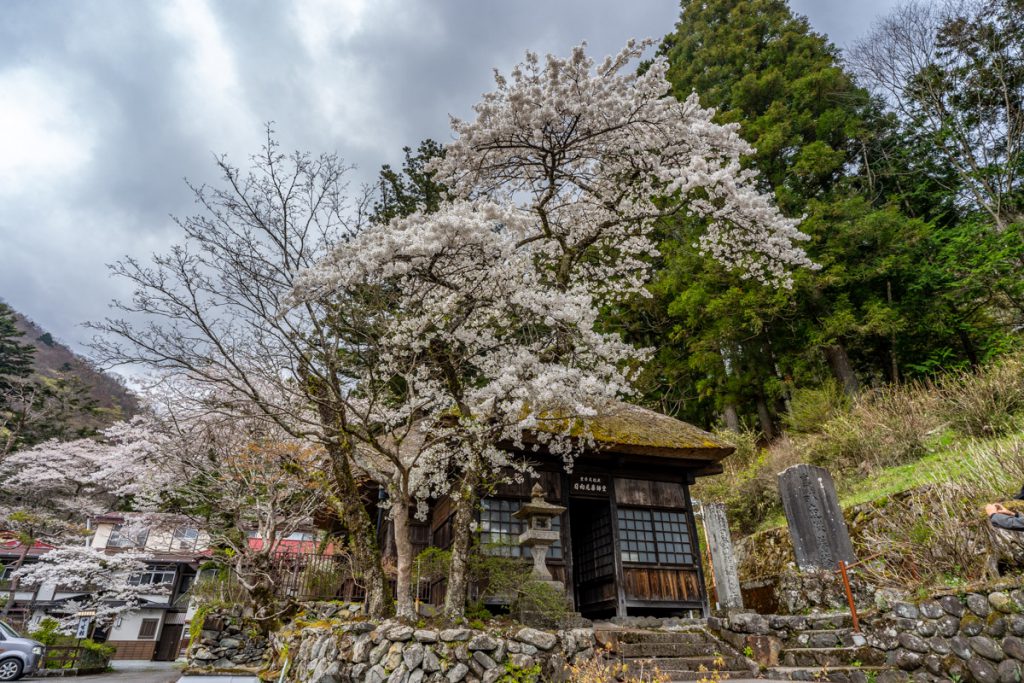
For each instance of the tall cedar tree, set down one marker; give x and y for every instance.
(15, 357)
(728, 345)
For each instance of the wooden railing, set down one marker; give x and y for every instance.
(61, 657)
(74, 657)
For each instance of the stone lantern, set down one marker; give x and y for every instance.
(538, 536)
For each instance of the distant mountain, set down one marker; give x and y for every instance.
(114, 401)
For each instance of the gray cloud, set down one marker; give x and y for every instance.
(106, 105)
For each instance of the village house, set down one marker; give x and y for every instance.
(156, 631)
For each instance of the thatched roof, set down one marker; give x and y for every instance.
(625, 428)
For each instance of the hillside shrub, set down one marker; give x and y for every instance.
(989, 402)
(811, 408)
(884, 427)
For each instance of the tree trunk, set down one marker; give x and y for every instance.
(732, 418)
(362, 535)
(405, 607)
(765, 418)
(969, 350)
(839, 361)
(457, 591)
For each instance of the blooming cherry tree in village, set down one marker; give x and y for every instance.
(51, 491)
(412, 352)
(484, 314)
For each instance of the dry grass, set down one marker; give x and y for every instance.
(862, 440)
(941, 536)
(989, 403)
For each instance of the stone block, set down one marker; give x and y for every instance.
(982, 670)
(457, 673)
(961, 647)
(482, 641)
(913, 643)
(1000, 602)
(1014, 647)
(931, 609)
(952, 605)
(1009, 671)
(484, 660)
(978, 605)
(948, 625)
(538, 639)
(906, 610)
(412, 655)
(450, 635)
(987, 648)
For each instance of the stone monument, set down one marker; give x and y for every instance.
(538, 535)
(723, 559)
(816, 524)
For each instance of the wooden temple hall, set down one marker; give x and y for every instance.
(626, 543)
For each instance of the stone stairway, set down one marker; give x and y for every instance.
(678, 653)
(829, 650)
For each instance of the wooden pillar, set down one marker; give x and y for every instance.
(620, 581)
(570, 574)
(705, 608)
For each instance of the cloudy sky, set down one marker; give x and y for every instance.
(106, 106)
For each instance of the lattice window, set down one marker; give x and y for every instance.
(654, 537)
(672, 535)
(147, 630)
(499, 530)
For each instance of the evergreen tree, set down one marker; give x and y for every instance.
(413, 188)
(734, 345)
(15, 357)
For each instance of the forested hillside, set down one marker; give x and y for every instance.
(49, 391)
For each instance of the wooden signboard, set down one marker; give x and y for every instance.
(589, 485)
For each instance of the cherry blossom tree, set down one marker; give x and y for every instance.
(214, 313)
(478, 322)
(104, 583)
(51, 490)
(248, 485)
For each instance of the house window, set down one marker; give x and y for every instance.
(654, 537)
(127, 537)
(147, 631)
(185, 538)
(499, 530)
(154, 576)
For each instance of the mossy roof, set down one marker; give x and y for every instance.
(626, 428)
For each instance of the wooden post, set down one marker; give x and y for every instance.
(849, 595)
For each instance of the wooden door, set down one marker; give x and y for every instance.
(169, 644)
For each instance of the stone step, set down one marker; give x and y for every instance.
(675, 637)
(672, 665)
(831, 656)
(839, 637)
(831, 620)
(838, 674)
(685, 649)
(680, 676)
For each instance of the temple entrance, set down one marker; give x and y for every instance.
(593, 545)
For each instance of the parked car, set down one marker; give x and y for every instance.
(18, 656)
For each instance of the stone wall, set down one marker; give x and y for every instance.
(975, 636)
(978, 636)
(225, 641)
(334, 650)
